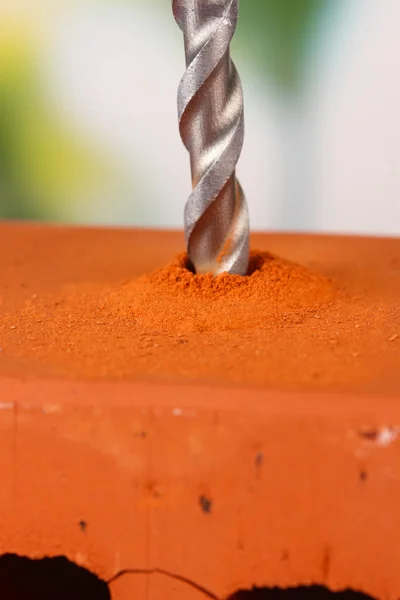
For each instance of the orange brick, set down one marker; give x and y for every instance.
(182, 488)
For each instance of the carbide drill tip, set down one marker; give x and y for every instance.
(210, 110)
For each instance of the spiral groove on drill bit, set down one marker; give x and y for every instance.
(210, 110)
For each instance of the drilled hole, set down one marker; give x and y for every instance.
(57, 578)
(187, 264)
(256, 261)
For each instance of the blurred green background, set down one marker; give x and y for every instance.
(88, 125)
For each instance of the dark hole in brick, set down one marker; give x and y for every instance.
(312, 592)
(370, 434)
(259, 459)
(206, 504)
(57, 578)
(82, 525)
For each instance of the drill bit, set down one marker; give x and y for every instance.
(210, 111)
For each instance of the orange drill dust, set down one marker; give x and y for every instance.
(283, 325)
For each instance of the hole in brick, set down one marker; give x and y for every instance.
(23, 578)
(312, 592)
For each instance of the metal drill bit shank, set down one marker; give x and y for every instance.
(210, 110)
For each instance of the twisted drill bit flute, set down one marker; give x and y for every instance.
(210, 111)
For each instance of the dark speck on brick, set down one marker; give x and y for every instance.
(82, 525)
(206, 504)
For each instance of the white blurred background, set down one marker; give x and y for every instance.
(88, 120)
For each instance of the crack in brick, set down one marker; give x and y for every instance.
(166, 573)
